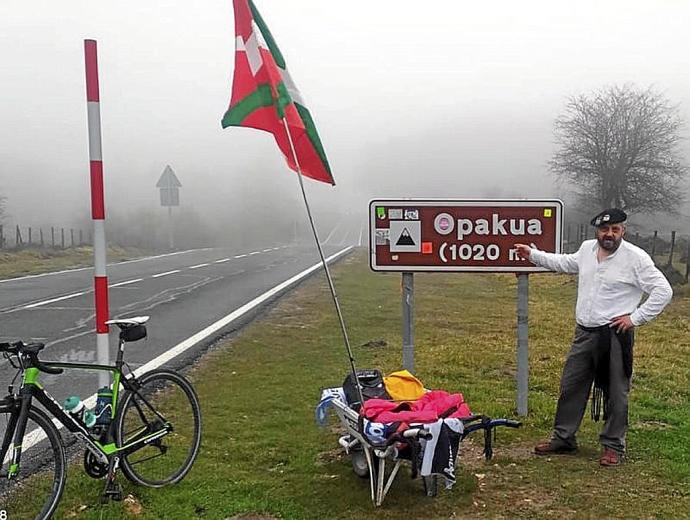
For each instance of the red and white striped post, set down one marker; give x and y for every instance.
(100, 280)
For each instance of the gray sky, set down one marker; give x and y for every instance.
(445, 98)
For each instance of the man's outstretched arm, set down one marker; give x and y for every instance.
(552, 261)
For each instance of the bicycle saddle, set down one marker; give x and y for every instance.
(124, 323)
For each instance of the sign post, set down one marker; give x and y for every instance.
(170, 186)
(408, 321)
(522, 343)
(463, 235)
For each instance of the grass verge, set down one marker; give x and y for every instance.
(262, 453)
(36, 260)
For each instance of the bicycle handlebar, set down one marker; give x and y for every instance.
(44, 368)
(489, 424)
(31, 351)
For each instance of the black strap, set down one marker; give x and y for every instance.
(602, 357)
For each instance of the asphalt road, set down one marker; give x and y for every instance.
(183, 292)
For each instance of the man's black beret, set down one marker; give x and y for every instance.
(609, 216)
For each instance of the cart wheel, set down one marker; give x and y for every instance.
(359, 463)
(430, 485)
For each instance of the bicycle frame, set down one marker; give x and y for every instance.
(32, 389)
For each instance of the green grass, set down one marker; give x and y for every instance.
(262, 452)
(36, 260)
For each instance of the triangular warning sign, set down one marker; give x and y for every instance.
(405, 239)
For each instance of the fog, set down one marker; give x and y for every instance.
(444, 99)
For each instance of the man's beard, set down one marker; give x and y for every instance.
(609, 244)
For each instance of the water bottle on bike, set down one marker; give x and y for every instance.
(77, 409)
(104, 404)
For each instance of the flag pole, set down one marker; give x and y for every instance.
(325, 265)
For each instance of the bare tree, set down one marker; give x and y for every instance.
(619, 147)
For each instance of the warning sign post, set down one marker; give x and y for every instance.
(463, 235)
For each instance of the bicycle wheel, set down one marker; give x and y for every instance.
(36, 490)
(163, 396)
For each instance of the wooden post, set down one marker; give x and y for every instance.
(62, 237)
(52, 237)
(29, 235)
(673, 245)
(40, 234)
(18, 237)
(71, 236)
(687, 260)
(2, 237)
(653, 245)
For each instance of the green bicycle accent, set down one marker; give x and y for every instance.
(116, 391)
(13, 470)
(31, 377)
(108, 449)
(143, 439)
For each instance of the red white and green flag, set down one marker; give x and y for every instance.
(263, 93)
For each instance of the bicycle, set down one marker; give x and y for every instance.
(153, 433)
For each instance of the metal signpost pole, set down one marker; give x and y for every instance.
(408, 321)
(171, 243)
(522, 343)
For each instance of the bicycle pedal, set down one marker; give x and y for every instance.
(112, 494)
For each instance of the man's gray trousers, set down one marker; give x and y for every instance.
(578, 375)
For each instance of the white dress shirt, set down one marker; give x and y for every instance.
(612, 287)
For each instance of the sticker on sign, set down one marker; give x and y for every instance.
(461, 235)
(405, 236)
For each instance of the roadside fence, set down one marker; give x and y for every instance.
(53, 237)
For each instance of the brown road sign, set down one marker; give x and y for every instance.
(461, 235)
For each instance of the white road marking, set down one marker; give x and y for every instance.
(221, 260)
(255, 253)
(330, 234)
(53, 300)
(188, 343)
(344, 239)
(199, 265)
(109, 265)
(244, 309)
(69, 338)
(120, 284)
(239, 256)
(165, 273)
(267, 250)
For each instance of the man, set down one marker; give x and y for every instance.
(612, 276)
